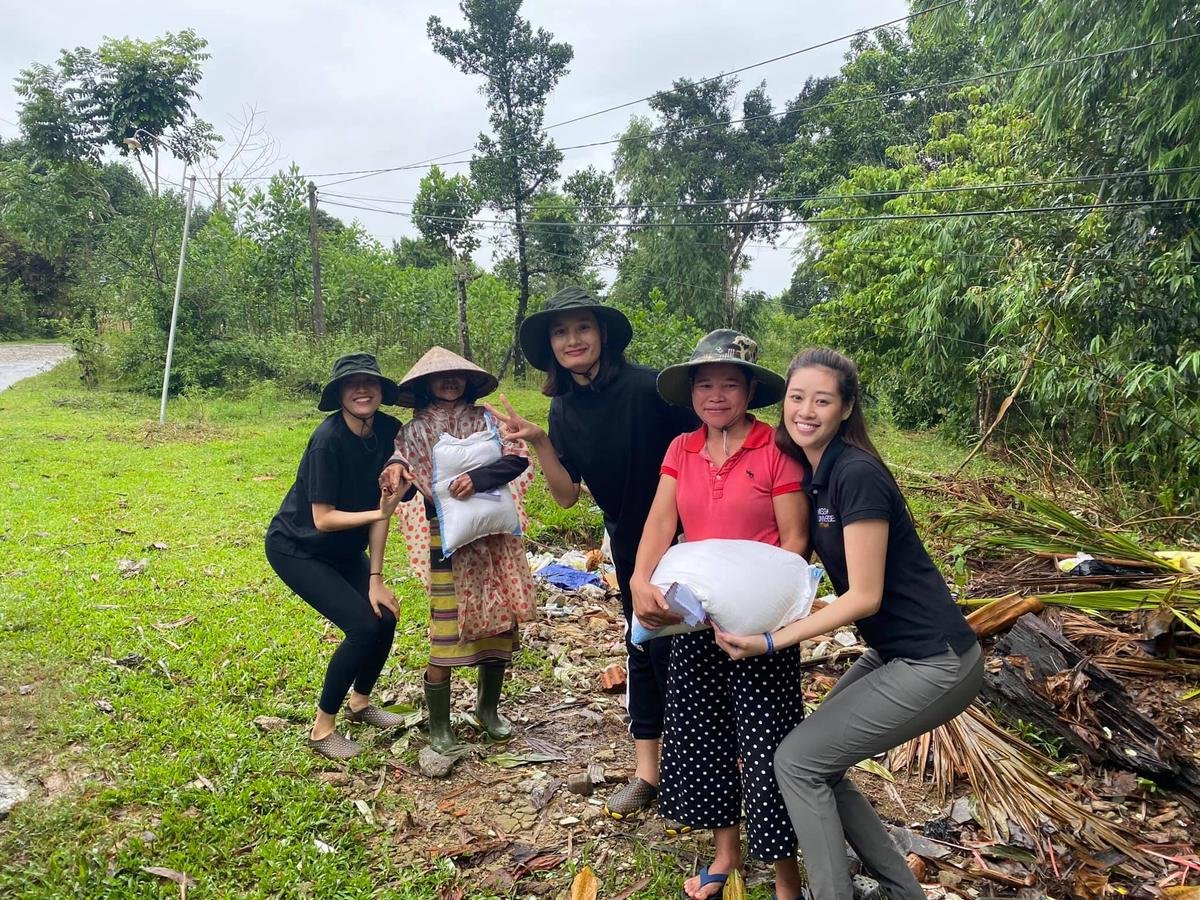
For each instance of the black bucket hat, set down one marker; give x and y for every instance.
(354, 364)
(535, 330)
(722, 346)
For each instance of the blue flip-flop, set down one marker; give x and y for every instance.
(707, 878)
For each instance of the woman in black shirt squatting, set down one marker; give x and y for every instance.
(315, 543)
(609, 428)
(923, 666)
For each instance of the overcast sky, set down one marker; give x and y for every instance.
(355, 85)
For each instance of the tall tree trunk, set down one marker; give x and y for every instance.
(731, 317)
(523, 295)
(464, 336)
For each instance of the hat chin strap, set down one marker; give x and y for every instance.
(365, 420)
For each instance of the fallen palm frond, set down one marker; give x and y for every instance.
(1124, 600)
(1010, 785)
(1038, 525)
(1119, 651)
(1132, 665)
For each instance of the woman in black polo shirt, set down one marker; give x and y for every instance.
(315, 543)
(924, 665)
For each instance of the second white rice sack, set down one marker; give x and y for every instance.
(483, 513)
(746, 587)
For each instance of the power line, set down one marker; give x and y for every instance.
(773, 59)
(957, 254)
(811, 198)
(1103, 379)
(648, 97)
(358, 174)
(842, 220)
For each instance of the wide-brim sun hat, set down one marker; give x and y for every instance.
(440, 361)
(722, 346)
(354, 364)
(535, 330)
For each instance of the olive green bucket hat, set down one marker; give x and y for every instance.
(722, 346)
(354, 364)
(535, 330)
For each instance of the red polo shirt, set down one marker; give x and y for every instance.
(736, 500)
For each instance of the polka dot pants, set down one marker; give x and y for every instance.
(721, 712)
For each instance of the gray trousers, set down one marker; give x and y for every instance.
(875, 706)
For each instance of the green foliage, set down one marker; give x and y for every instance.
(944, 315)
(443, 210)
(780, 334)
(556, 248)
(837, 128)
(728, 169)
(129, 95)
(53, 221)
(520, 68)
(661, 335)
(1129, 110)
(418, 253)
(15, 305)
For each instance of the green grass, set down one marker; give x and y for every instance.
(91, 478)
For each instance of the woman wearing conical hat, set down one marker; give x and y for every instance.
(481, 593)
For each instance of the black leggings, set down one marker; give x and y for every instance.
(338, 591)
(647, 667)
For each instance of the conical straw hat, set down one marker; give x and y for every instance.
(480, 382)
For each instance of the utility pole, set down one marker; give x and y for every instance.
(187, 221)
(318, 309)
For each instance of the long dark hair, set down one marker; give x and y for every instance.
(558, 381)
(854, 430)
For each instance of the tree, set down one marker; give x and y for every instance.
(850, 119)
(249, 155)
(418, 253)
(807, 289)
(520, 68)
(131, 95)
(699, 185)
(443, 212)
(1081, 319)
(1130, 110)
(595, 197)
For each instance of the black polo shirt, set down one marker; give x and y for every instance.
(339, 468)
(917, 617)
(614, 436)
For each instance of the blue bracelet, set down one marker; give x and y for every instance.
(770, 642)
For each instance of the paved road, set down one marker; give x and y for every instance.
(18, 361)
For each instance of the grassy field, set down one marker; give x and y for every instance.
(129, 696)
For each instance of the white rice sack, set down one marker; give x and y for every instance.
(481, 514)
(745, 587)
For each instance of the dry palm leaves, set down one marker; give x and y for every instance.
(1041, 526)
(1122, 600)
(1010, 784)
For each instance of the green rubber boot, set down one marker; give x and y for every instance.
(487, 698)
(437, 700)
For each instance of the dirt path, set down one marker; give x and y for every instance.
(20, 361)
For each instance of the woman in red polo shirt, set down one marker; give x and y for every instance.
(725, 480)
